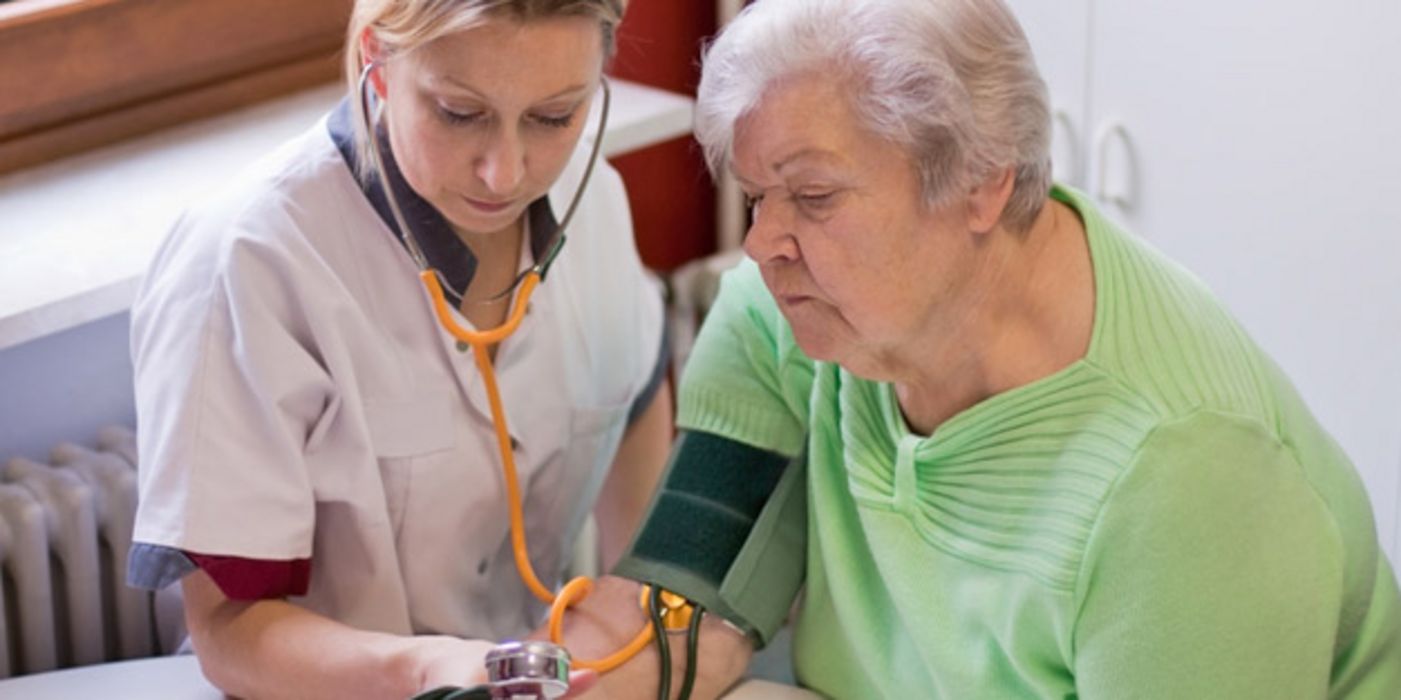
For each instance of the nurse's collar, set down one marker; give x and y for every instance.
(445, 251)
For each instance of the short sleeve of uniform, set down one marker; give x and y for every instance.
(1214, 571)
(746, 379)
(230, 390)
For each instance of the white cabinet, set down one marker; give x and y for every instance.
(1259, 144)
(1059, 33)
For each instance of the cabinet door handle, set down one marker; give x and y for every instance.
(1119, 187)
(1069, 170)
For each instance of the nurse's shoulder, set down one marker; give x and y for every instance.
(260, 218)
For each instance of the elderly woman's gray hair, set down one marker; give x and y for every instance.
(951, 81)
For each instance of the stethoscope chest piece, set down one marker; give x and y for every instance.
(536, 670)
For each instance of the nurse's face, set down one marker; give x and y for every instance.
(482, 121)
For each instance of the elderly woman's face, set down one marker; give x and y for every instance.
(856, 261)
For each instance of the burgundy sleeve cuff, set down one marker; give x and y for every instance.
(255, 579)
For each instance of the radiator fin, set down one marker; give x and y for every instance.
(65, 531)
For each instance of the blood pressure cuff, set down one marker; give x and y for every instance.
(728, 530)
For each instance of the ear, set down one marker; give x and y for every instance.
(371, 52)
(988, 200)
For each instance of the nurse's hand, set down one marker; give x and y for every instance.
(579, 683)
(450, 661)
(442, 660)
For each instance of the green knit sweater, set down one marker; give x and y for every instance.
(1161, 519)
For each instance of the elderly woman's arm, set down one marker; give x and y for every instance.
(738, 386)
(1215, 571)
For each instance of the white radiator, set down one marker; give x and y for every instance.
(65, 529)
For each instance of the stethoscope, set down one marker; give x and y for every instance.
(667, 611)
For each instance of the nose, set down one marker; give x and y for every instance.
(501, 166)
(770, 236)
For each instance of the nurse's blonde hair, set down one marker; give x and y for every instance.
(400, 26)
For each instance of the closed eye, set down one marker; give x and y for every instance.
(452, 117)
(561, 121)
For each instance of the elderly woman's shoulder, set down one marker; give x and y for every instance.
(1164, 334)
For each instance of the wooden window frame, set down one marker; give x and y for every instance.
(76, 74)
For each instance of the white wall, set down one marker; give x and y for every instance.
(64, 387)
(1256, 144)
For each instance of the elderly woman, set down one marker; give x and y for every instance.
(1042, 460)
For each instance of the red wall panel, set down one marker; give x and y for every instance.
(673, 201)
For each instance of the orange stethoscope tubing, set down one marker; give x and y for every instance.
(578, 588)
(481, 341)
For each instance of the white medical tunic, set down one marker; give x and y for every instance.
(299, 403)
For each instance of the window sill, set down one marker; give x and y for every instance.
(77, 234)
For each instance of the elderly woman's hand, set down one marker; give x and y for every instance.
(611, 616)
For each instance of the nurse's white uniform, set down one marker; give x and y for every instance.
(298, 401)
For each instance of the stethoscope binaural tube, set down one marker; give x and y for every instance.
(430, 276)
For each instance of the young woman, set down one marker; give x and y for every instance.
(319, 459)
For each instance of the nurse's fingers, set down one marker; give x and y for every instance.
(579, 683)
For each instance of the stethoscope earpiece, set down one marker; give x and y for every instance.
(375, 79)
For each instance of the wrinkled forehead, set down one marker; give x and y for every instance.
(797, 121)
